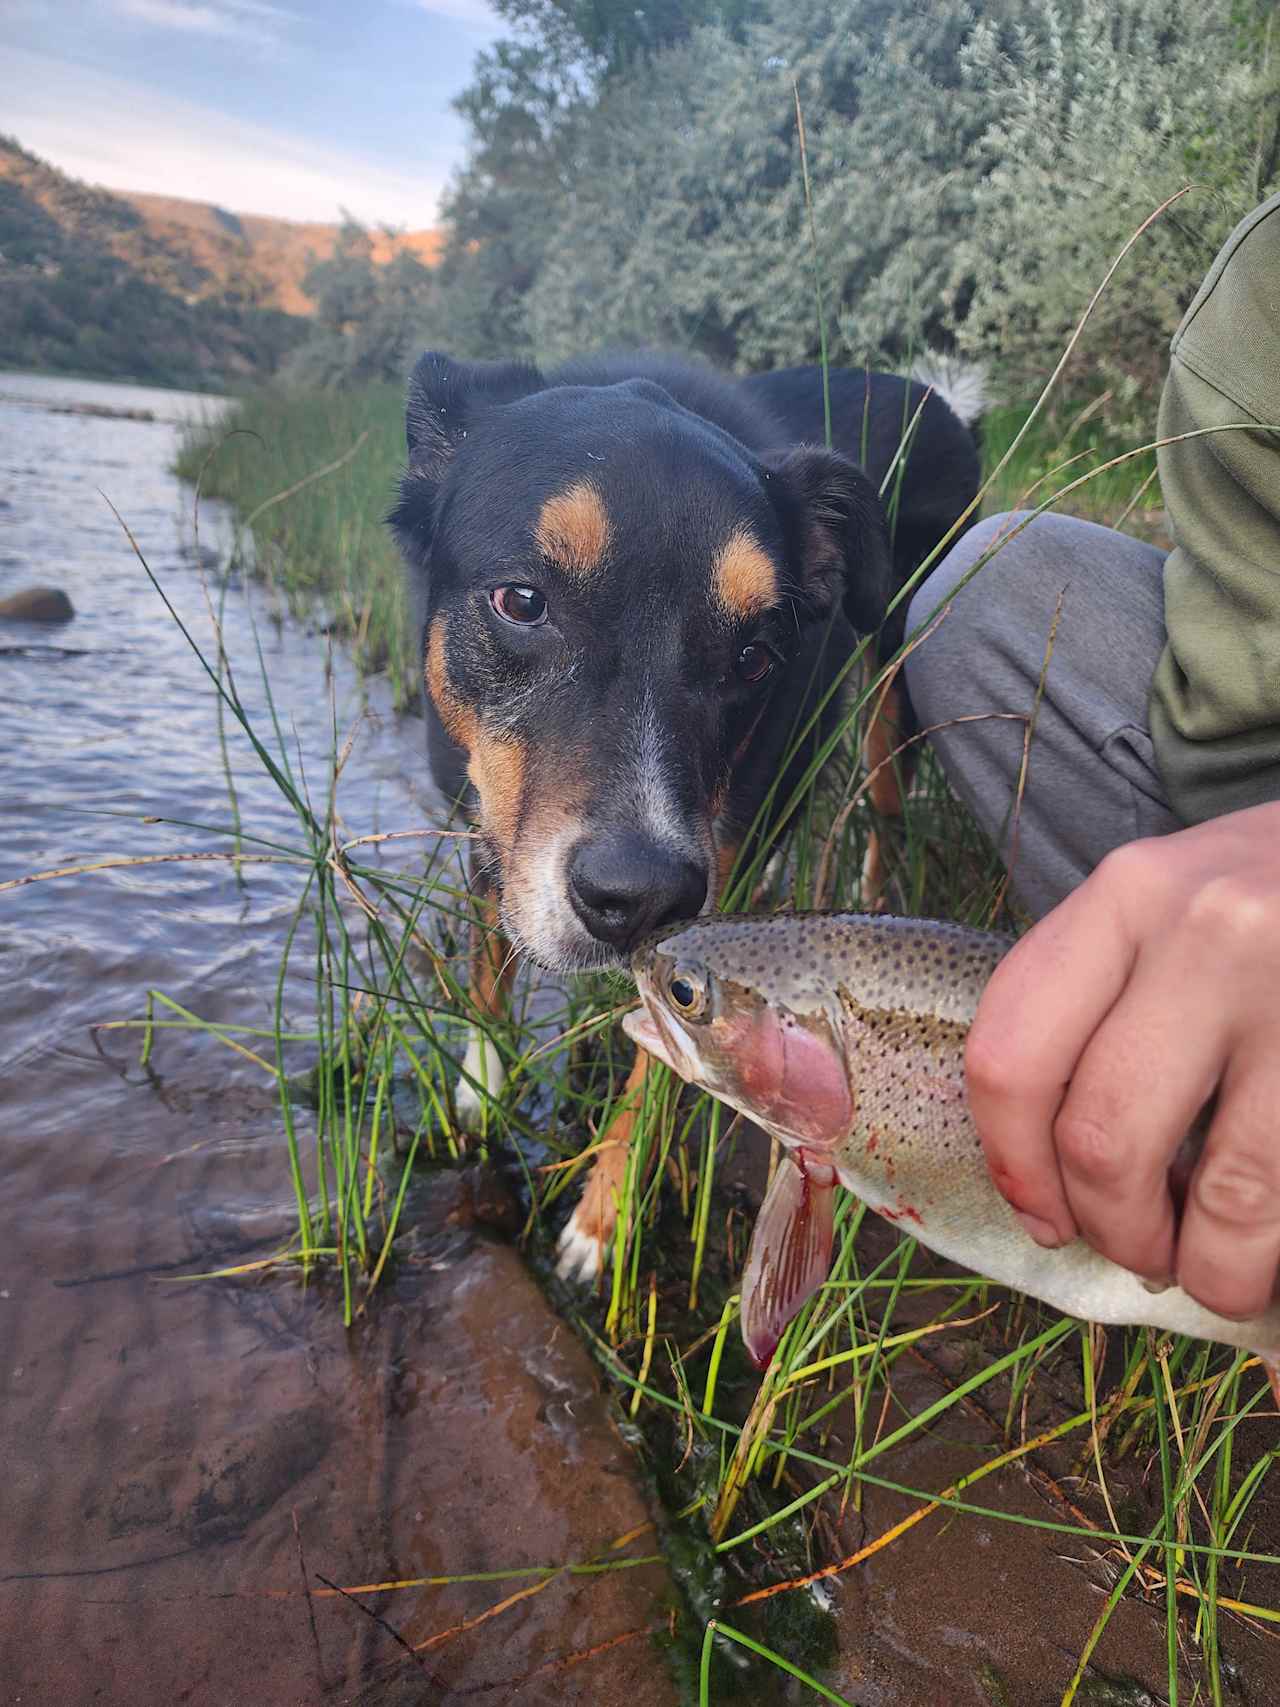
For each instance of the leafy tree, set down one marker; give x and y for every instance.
(973, 171)
(521, 107)
(529, 109)
(344, 286)
(370, 320)
(610, 38)
(1103, 109)
(692, 226)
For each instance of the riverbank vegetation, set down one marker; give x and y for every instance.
(635, 176)
(312, 475)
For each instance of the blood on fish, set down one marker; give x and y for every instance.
(904, 1212)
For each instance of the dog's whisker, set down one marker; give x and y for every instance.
(513, 954)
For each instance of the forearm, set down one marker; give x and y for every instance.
(1215, 702)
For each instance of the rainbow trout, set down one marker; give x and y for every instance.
(843, 1036)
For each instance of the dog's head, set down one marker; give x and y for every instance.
(614, 591)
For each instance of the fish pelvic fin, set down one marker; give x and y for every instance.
(790, 1254)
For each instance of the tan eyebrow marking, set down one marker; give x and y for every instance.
(573, 528)
(743, 580)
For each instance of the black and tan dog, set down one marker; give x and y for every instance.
(635, 577)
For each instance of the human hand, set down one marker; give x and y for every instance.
(1105, 1031)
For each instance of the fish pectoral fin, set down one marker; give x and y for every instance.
(790, 1254)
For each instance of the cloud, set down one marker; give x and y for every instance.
(117, 133)
(478, 13)
(245, 20)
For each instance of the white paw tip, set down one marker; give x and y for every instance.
(483, 1064)
(581, 1254)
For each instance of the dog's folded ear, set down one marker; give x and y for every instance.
(445, 399)
(837, 532)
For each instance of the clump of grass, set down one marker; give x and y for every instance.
(1062, 448)
(311, 476)
(386, 948)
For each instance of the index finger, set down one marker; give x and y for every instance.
(1045, 1000)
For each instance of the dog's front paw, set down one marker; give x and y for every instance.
(589, 1229)
(483, 1077)
(580, 1252)
(591, 1226)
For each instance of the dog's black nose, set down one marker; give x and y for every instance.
(623, 885)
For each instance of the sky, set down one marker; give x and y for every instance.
(297, 109)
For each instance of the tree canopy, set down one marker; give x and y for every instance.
(974, 170)
(634, 176)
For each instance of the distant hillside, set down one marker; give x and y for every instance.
(235, 248)
(153, 287)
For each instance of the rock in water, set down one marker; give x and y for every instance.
(38, 604)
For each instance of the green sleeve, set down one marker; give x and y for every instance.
(1215, 697)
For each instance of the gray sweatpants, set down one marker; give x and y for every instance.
(1092, 783)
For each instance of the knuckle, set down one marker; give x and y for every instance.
(1242, 1189)
(1233, 905)
(1091, 1150)
(989, 1067)
(1133, 865)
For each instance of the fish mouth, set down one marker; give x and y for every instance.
(660, 1036)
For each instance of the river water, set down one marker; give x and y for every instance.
(183, 1460)
(113, 721)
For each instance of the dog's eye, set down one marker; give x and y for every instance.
(525, 606)
(753, 663)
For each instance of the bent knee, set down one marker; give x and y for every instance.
(991, 600)
(1006, 555)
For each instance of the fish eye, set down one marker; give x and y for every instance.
(687, 991)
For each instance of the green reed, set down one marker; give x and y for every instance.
(311, 476)
(384, 953)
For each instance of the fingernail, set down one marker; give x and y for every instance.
(1043, 1232)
